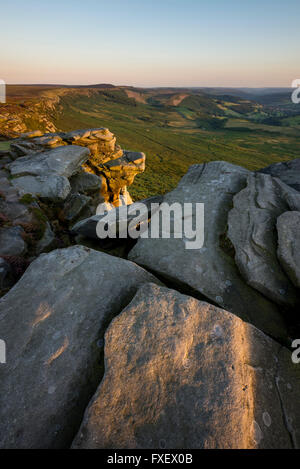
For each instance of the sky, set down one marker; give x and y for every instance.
(147, 43)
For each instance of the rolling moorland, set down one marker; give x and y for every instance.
(174, 127)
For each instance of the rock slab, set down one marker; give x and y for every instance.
(46, 174)
(63, 161)
(184, 374)
(210, 272)
(53, 322)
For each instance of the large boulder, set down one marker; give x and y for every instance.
(53, 322)
(62, 161)
(287, 171)
(210, 272)
(46, 174)
(252, 231)
(288, 228)
(185, 374)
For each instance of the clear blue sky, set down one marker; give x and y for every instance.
(151, 42)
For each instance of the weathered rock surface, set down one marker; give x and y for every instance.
(47, 240)
(288, 228)
(98, 141)
(51, 188)
(85, 182)
(210, 272)
(15, 212)
(63, 161)
(34, 144)
(53, 322)
(287, 171)
(252, 231)
(11, 241)
(26, 230)
(117, 219)
(4, 159)
(181, 373)
(101, 142)
(75, 205)
(126, 167)
(46, 174)
(119, 173)
(7, 191)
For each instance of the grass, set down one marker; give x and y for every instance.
(200, 129)
(171, 150)
(4, 146)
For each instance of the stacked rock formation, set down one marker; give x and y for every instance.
(115, 167)
(49, 182)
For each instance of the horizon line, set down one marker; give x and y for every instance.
(146, 87)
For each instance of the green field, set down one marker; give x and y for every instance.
(174, 127)
(4, 146)
(174, 138)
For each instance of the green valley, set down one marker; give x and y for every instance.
(175, 127)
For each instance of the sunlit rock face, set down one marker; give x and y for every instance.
(182, 373)
(117, 168)
(101, 143)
